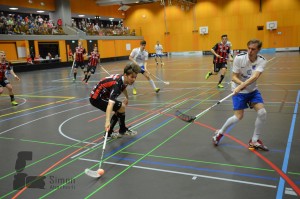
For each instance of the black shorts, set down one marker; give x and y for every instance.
(79, 64)
(219, 66)
(4, 82)
(91, 69)
(103, 103)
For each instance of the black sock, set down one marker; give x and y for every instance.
(75, 75)
(221, 79)
(87, 79)
(123, 128)
(12, 97)
(113, 122)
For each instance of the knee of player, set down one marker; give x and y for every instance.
(122, 108)
(262, 114)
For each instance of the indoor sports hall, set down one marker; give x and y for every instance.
(61, 135)
(54, 143)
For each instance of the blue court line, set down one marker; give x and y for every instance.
(281, 183)
(198, 169)
(137, 137)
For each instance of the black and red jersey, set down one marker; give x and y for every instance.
(109, 88)
(94, 59)
(3, 68)
(80, 51)
(223, 50)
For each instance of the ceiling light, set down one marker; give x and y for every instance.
(40, 11)
(81, 15)
(13, 8)
(29, 1)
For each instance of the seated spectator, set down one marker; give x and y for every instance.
(29, 60)
(49, 56)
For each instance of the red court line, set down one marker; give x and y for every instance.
(266, 160)
(55, 164)
(64, 158)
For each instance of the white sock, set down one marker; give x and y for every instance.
(152, 83)
(260, 120)
(230, 121)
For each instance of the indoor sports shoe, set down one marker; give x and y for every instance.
(220, 86)
(207, 75)
(257, 145)
(134, 91)
(115, 135)
(14, 103)
(216, 138)
(128, 132)
(157, 90)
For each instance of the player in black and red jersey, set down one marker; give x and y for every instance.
(221, 51)
(5, 67)
(79, 54)
(104, 97)
(94, 60)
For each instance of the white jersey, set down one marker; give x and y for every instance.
(139, 56)
(158, 49)
(246, 68)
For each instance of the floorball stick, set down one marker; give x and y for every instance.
(167, 83)
(98, 174)
(72, 68)
(188, 118)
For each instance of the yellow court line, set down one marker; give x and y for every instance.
(38, 96)
(36, 107)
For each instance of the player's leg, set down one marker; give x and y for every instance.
(75, 70)
(156, 59)
(147, 75)
(121, 115)
(239, 102)
(11, 94)
(213, 72)
(258, 106)
(223, 69)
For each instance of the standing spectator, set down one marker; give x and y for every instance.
(5, 67)
(221, 51)
(139, 56)
(247, 68)
(79, 54)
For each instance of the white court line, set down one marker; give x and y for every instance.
(40, 119)
(24, 102)
(288, 190)
(138, 124)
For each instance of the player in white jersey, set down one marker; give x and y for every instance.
(247, 68)
(158, 53)
(140, 57)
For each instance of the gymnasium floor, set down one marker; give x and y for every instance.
(58, 134)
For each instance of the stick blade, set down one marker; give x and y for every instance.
(184, 117)
(91, 173)
(167, 83)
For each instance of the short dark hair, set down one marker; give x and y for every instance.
(255, 41)
(143, 42)
(131, 68)
(223, 36)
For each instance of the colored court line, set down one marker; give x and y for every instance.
(288, 150)
(35, 107)
(203, 162)
(16, 195)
